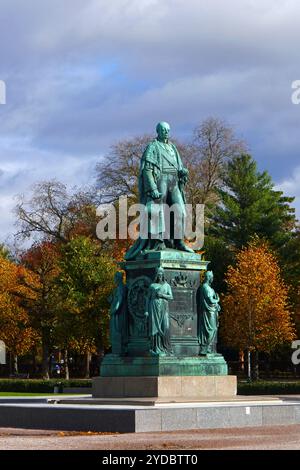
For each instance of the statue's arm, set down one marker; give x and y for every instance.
(167, 295)
(148, 173)
(210, 295)
(169, 292)
(183, 171)
(150, 186)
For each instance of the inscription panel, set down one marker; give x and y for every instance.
(183, 315)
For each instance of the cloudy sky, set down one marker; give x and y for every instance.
(82, 74)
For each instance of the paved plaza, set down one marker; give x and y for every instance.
(262, 438)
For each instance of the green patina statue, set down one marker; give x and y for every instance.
(161, 184)
(208, 315)
(159, 294)
(118, 316)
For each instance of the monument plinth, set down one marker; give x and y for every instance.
(181, 273)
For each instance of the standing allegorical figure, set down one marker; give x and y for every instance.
(161, 186)
(159, 294)
(208, 315)
(118, 321)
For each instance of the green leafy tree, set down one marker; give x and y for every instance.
(290, 262)
(85, 282)
(249, 205)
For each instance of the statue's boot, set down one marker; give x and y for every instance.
(179, 245)
(157, 245)
(169, 243)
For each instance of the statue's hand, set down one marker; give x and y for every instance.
(183, 173)
(155, 194)
(146, 314)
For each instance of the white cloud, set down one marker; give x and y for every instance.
(81, 74)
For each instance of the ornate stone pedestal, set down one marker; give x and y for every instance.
(181, 374)
(182, 272)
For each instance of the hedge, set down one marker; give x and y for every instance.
(261, 387)
(40, 386)
(47, 386)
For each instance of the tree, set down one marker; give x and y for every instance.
(4, 252)
(249, 205)
(256, 314)
(290, 262)
(85, 282)
(56, 214)
(214, 144)
(219, 257)
(117, 173)
(40, 296)
(15, 328)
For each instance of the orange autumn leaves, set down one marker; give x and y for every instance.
(15, 329)
(256, 313)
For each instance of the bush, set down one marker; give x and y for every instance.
(40, 386)
(268, 388)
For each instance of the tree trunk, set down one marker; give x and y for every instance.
(66, 363)
(256, 366)
(242, 360)
(34, 364)
(45, 361)
(87, 365)
(249, 365)
(10, 363)
(15, 364)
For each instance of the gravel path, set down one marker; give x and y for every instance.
(262, 438)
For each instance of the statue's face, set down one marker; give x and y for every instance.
(159, 277)
(163, 130)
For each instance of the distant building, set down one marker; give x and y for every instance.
(2, 353)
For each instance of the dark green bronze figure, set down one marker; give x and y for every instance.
(118, 316)
(208, 315)
(163, 322)
(159, 294)
(161, 184)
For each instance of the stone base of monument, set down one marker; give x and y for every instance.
(169, 378)
(168, 388)
(117, 366)
(88, 414)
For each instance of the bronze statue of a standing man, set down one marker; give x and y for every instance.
(161, 185)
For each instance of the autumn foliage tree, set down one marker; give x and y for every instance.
(40, 293)
(15, 328)
(256, 315)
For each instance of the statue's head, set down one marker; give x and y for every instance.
(163, 130)
(118, 277)
(209, 276)
(160, 274)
